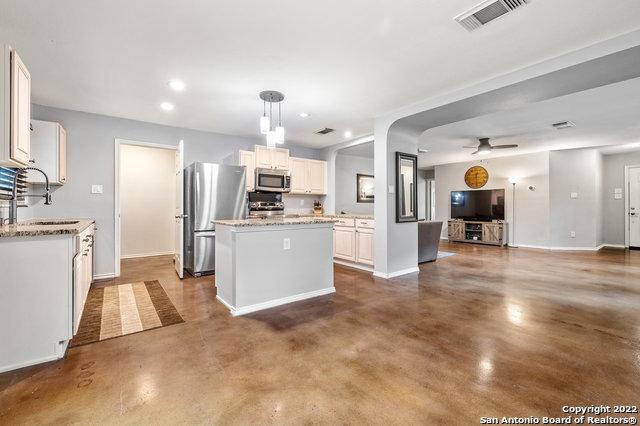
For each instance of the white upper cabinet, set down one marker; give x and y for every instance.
(271, 158)
(263, 157)
(317, 177)
(49, 152)
(308, 176)
(247, 159)
(15, 110)
(299, 175)
(280, 158)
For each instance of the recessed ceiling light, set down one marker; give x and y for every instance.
(304, 114)
(633, 145)
(167, 106)
(347, 134)
(177, 85)
(422, 151)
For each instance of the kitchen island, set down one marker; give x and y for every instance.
(262, 263)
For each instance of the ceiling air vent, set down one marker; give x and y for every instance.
(486, 12)
(564, 125)
(324, 131)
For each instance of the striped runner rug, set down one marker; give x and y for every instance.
(123, 309)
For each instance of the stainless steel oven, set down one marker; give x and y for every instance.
(271, 180)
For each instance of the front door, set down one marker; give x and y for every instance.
(634, 207)
(178, 257)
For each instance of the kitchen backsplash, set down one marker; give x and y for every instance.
(300, 204)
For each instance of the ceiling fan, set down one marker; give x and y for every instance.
(484, 147)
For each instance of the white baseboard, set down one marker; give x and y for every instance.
(273, 303)
(601, 246)
(5, 368)
(354, 265)
(135, 256)
(108, 276)
(616, 246)
(396, 273)
(444, 238)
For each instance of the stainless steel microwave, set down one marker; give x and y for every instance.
(272, 180)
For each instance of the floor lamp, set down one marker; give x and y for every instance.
(513, 181)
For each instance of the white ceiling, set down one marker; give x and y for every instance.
(343, 62)
(603, 116)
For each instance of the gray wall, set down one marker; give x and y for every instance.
(613, 210)
(575, 171)
(90, 159)
(346, 169)
(531, 207)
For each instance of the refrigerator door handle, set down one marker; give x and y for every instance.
(197, 194)
(205, 234)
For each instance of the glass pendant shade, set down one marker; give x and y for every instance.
(265, 124)
(271, 139)
(279, 135)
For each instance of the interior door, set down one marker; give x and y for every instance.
(634, 207)
(178, 257)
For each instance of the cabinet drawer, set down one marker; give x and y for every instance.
(365, 223)
(345, 222)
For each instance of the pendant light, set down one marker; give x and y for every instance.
(279, 128)
(265, 122)
(273, 136)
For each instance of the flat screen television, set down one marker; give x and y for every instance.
(483, 205)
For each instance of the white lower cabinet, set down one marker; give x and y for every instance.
(82, 275)
(344, 243)
(364, 246)
(45, 281)
(353, 241)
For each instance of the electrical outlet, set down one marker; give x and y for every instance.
(572, 234)
(392, 189)
(574, 195)
(287, 243)
(96, 189)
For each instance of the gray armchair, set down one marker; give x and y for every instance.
(428, 240)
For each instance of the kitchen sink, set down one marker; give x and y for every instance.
(54, 222)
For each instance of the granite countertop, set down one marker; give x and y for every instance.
(272, 221)
(37, 227)
(342, 216)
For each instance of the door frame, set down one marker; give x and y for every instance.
(116, 212)
(627, 190)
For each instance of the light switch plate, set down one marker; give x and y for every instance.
(287, 244)
(572, 234)
(392, 189)
(96, 189)
(617, 196)
(574, 195)
(617, 191)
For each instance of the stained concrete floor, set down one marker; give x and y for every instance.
(487, 332)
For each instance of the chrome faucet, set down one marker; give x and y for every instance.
(13, 206)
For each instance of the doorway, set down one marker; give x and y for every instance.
(146, 194)
(632, 207)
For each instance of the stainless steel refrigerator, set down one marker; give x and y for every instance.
(211, 192)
